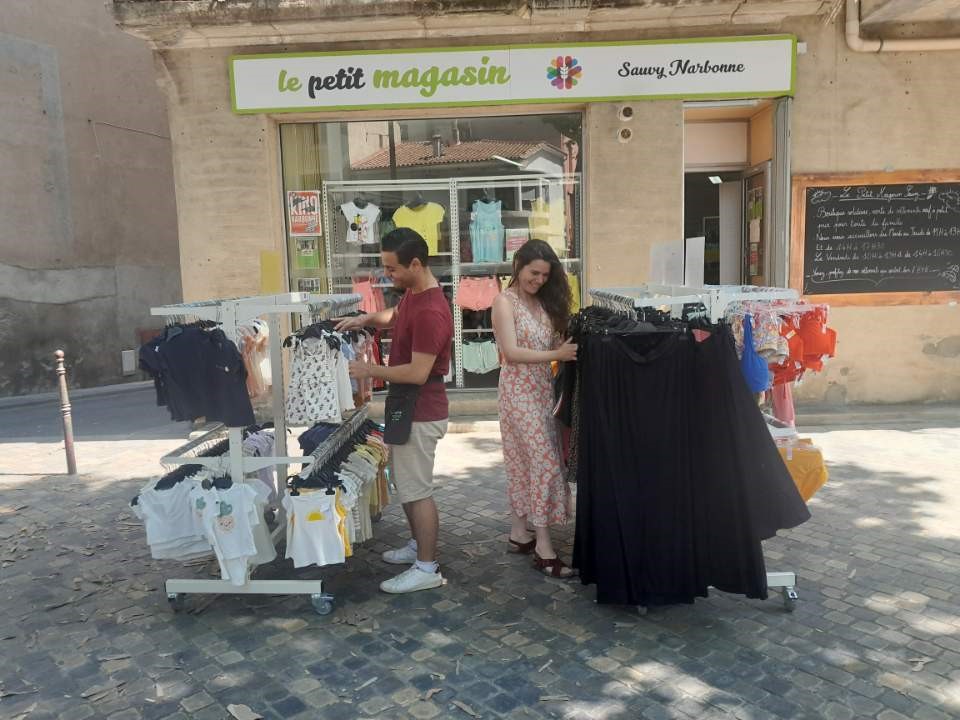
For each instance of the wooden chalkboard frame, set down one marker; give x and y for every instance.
(802, 182)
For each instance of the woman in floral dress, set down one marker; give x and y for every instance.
(530, 321)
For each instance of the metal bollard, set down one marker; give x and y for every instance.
(65, 412)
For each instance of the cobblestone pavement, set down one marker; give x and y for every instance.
(85, 631)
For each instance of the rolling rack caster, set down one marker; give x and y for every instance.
(177, 601)
(322, 603)
(787, 582)
(790, 597)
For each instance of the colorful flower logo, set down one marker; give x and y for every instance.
(564, 72)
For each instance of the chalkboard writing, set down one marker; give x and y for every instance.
(882, 238)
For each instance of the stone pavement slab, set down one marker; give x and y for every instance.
(85, 631)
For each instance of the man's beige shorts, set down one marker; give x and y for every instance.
(411, 464)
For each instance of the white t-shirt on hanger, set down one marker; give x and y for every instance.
(312, 534)
(228, 518)
(362, 223)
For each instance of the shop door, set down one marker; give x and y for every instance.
(756, 225)
(731, 232)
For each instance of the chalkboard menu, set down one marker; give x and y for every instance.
(880, 238)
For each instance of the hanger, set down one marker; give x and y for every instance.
(418, 201)
(224, 482)
(360, 200)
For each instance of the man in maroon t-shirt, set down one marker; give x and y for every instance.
(421, 332)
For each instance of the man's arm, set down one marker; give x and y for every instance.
(382, 320)
(415, 372)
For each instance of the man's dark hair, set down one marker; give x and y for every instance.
(407, 244)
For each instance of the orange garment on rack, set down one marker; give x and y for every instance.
(793, 366)
(806, 466)
(819, 341)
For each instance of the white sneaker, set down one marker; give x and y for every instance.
(405, 555)
(412, 580)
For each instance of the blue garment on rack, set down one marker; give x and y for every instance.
(755, 369)
(310, 439)
(486, 232)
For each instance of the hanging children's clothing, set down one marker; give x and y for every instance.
(260, 444)
(486, 232)
(254, 343)
(425, 219)
(313, 535)
(198, 372)
(362, 222)
(319, 388)
(371, 296)
(805, 463)
(228, 518)
(477, 293)
(333, 503)
(173, 530)
(480, 357)
(547, 224)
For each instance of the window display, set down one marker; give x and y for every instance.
(476, 189)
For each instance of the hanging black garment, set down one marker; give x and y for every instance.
(635, 535)
(199, 373)
(678, 477)
(746, 493)
(771, 497)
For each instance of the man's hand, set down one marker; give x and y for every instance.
(361, 370)
(356, 322)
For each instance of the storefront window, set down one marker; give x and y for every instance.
(475, 188)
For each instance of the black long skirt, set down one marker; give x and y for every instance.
(678, 478)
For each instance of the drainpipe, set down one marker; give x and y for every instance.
(859, 44)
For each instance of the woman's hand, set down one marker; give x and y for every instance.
(567, 352)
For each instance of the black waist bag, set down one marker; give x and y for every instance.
(398, 408)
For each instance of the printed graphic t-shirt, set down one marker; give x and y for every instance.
(424, 325)
(362, 223)
(425, 220)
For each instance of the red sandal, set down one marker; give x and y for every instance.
(522, 548)
(554, 567)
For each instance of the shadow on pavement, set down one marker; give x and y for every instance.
(86, 628)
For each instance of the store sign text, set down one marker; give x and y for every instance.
(679, 67)
(723, 67)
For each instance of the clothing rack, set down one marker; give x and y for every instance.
(716, 299)
(230, 314)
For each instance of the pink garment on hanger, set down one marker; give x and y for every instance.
(783, 403)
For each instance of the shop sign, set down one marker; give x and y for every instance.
(706, 68)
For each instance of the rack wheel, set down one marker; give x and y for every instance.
(177, 601)
(322, 604)
(789, 598)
